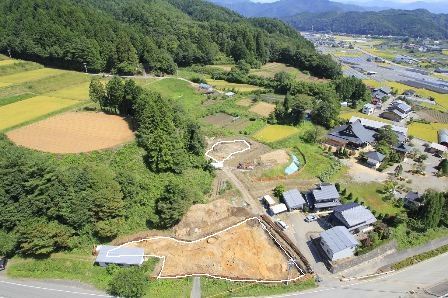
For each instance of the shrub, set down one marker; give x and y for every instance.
(128, 283)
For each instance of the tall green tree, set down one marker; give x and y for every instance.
(97, 91)
(431, 213)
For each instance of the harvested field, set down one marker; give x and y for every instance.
(244, 251)
(29, 109)
(433, 116)
(73, 133)
(263, 109)
(224, 85)
(219, 119)
(275, 157)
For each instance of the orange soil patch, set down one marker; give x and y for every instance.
(263, 109)
(245, 251)
(279, 156)
(74, 132)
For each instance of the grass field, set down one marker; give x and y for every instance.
(31, 75)
(445, 52)
(427, 132)
(223, 85)
(30, 109)
(272, 133)
(346, 115)
(270, 69)
(372, 83)
(77, 92)
(381, 53)
(4, 84)
(8, 62)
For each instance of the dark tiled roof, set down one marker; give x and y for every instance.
(353, 132)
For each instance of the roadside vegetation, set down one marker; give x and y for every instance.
(420, 258)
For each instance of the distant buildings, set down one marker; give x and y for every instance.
(338, 243)
(405, 59)
(381, 93)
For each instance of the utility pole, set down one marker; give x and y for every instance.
(85, 66)
(9, 53)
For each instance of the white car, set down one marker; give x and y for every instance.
(282, 224)
(310, 218)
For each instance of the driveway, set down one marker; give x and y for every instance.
(363, 174)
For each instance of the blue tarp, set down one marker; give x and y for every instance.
(294, 166)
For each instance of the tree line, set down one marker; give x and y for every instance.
(157, 35)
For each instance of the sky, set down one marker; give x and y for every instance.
(362, 1)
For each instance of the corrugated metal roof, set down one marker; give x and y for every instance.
(120, 255)
(326, 192)
(279, 208)
(355, 214)
(443, 136)
(293, 198)
(338, 238)
(378, 124)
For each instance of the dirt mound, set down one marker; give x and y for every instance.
(74, 132)
(204, 219)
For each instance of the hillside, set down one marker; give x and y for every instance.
(414, 23)
(119, 36)
(284, 8)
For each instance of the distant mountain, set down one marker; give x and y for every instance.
(434, 7)
(414, 23)
(285, 8)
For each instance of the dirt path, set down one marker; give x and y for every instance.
(253, 203)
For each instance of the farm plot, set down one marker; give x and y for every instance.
(263, 109)
(244, 251)
(29, 109)
(31, 75)
(223, 120)
(4, 84)
(224, 85)
(427, 132)
(272, 133)
(77, 92)
(73, 132)
(8, 62)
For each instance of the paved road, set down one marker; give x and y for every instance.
(45, 289)
(196, 288)
(418, 278)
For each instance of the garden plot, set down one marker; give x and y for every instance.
(263, 109)
(242, 251)
(31, 75)
(73, 132)
(244, 102)
(275, 157)
(223, 120)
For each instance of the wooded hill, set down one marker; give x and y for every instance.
(120, 35)
(413, 23)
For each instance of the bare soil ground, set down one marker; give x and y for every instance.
(74, 132)
(223, 150)
(275, 157)
(245, 251)
(363, 174)
(220, 119)
(262, 109)
(244, 102)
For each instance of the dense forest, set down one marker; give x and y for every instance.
(413, 23)
(121, 36)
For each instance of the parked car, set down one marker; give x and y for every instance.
(310, 218)
(282, 224)
(2, 263)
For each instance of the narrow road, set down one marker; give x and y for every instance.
(248, 198)
(196, 288)
(414, 281)
(45, 289)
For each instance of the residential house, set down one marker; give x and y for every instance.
(398, 111)
(356, 218)
(409, 92)
(293, 199)
(381, 93)
(353, 135)
(326, 196)
(119, 255)
(438, 149)
(443, 137)
(412, 200)
(338, 243)
(403, 149)
(376, 125)
(368, 109)
(374, 159)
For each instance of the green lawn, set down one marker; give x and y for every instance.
(367, 193)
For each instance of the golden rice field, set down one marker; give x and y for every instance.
(31, 75)
(30, 109)
(224, 85)
(272, 133)
(4, 84)
(77, 92)
(427, 132)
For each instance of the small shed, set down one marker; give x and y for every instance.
(293, 199)
(119, 255)
(277, 209)
(374, 159)
(268, 200)
(437, 148)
